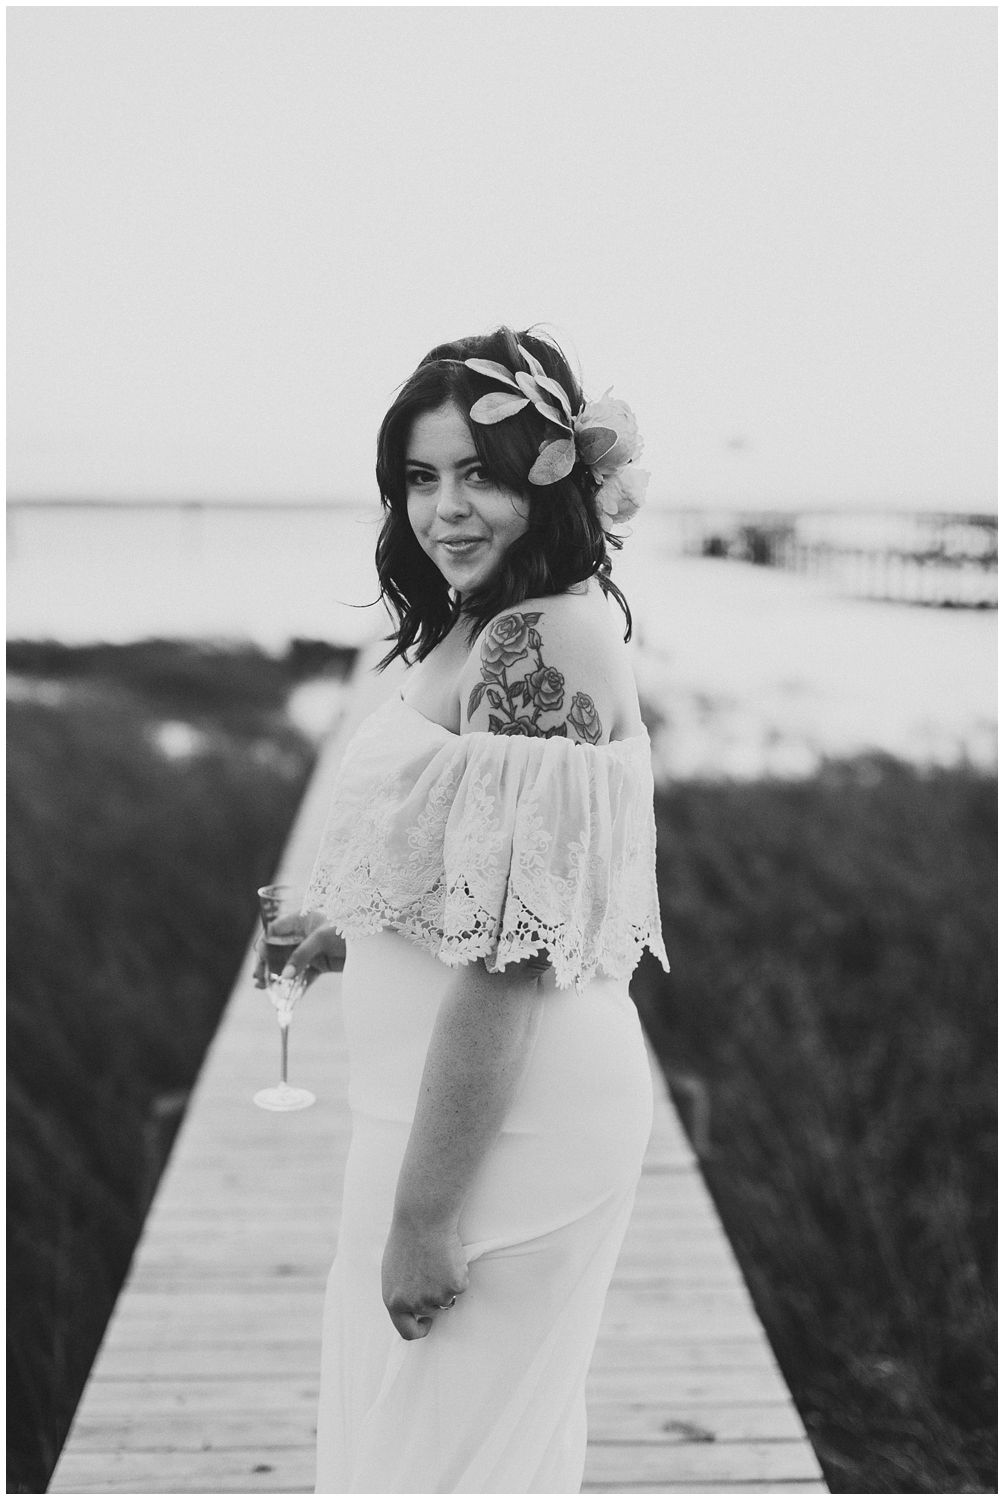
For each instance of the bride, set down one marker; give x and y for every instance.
(490, 859)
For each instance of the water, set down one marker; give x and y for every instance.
(262, 574)
(757, 671)
(752, 670)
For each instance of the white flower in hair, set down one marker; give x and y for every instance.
(621, 495)
(610, 415)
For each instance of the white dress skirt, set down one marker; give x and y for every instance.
(492, 1401)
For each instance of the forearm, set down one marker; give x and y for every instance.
(480, 1045)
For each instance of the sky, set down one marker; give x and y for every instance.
(234, 231)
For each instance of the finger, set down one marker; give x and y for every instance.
(306, 955)
(323, 952)
(336, 955)
(410, 1327)
(292, 922)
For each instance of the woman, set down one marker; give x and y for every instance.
(490, 859)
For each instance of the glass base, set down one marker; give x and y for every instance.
(282, 1096)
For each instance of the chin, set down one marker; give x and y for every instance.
(469, 580)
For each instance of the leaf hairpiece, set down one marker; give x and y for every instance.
(603, 434)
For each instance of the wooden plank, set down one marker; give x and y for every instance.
(710, 1372)
(628, 1464)
(194, 1432)
(649, 1349)
(270, 1485)
(663, 1423)
(185, 1222)
(260, 1466)
(214, 1342)
(257, 1468)
(216, 1388)
(163, 1273)
(230, 1362)
(692, 1487)
(300, 1313)
(273, 1261)
(250, 1284)
(202, 1431)
(252, 1394)
(231, 1237)
(248, 1258)
(653, 1350)
(246, 1354)
(689, 1324)
(639, 1304)
(685, 1278)
(687, 1387)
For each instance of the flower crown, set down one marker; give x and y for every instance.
(602, 434)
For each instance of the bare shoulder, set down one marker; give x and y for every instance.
(549, 668)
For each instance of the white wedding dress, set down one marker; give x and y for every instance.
(441, 849)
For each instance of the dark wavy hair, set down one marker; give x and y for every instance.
(565, 542)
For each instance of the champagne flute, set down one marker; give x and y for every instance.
(284, 927)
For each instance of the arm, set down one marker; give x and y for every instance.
(528, 678)
(480, 1044)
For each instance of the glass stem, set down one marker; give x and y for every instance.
(284, 1035)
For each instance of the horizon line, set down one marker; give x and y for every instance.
(682, 507)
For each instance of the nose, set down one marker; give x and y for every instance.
(452, 499)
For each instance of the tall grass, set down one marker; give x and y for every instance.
(133, 862)
(833, 985)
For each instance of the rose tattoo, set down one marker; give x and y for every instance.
(547, 689)
(584, 719)
(518, 703)
(507, 640)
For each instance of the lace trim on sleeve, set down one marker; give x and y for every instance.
(490, 847)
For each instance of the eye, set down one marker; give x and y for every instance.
(478, 474)
(417, 478)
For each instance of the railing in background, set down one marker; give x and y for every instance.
(913, 557)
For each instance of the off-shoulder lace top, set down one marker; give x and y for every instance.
(494, 847)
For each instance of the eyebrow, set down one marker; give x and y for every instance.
(421, 463)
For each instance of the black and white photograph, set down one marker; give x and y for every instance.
(502, 749)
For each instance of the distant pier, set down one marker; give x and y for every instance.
(940, 559)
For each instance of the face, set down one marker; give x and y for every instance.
(460, 518)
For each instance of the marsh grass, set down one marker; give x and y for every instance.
(833, 989)
(133, 859)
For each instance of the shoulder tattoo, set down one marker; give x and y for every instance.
(522, 695)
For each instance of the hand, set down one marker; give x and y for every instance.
(424, 1272)
(321, 952)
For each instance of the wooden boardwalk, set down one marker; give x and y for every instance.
(206, 1381)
